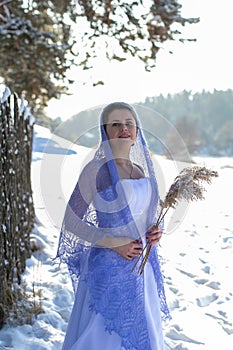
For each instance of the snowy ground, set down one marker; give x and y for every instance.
(197, 252)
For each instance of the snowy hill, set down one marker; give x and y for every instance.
(197, 252)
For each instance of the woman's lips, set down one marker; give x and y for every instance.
(124, 136)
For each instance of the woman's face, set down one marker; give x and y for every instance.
(121, 125)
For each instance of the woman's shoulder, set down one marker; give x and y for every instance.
(138, 166)
(92, 167)
(97, 173)
(138, 170)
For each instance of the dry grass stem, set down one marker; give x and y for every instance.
(186, 186)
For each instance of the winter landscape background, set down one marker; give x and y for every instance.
(197, 256)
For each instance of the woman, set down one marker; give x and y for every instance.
(109, 218)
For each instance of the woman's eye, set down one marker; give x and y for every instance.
(129, 124)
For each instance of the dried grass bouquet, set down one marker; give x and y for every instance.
(186, 186)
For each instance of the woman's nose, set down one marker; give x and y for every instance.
(124, 126)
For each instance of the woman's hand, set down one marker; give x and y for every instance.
(129, 251)
(154, 235)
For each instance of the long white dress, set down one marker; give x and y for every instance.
(87, 329)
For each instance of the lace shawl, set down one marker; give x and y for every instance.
(98, 209)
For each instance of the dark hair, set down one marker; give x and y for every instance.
(116, 105)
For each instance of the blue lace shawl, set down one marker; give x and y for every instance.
(98, 209)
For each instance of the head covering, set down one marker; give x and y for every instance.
(98, 209)
(99, 191)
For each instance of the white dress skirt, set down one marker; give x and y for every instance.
(86, 328)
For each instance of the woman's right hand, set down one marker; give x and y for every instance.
(129, 251)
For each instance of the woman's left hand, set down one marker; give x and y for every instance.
(153, 235)
(129, 251)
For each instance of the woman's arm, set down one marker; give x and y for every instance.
(109, 242)
(124, 246)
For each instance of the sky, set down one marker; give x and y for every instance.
(195, 66)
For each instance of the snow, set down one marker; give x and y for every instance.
(197, 254)
(5, 94)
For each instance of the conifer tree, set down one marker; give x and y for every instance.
(38, 43)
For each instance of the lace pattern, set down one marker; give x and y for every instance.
(115, 292)
(118, 295)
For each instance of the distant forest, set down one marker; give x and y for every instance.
(204, 121)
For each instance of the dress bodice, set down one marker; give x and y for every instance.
(126, 204)
(138, 195)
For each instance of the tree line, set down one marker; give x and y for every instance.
(203, 119)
